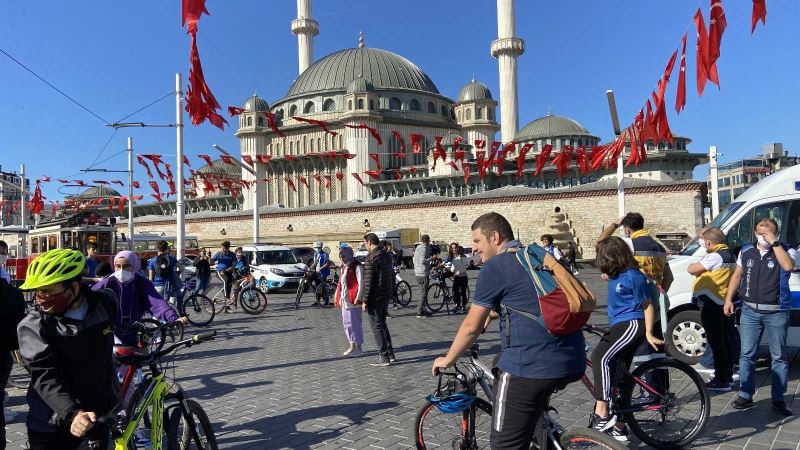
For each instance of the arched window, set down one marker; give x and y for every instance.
(361, 103)
(279, 113)
(349, 104)
(319, 144)
(312, 145)
(249, 121)
(490, 116)
(468, 114)
(261, 121)
(414, 106)
(329, 105)
(291, 148)
(458, 115)
(309, 108)
(394, 103)
(480, 113)
(444, 110)
(431, 108)
(293, 110)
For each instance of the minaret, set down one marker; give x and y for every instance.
(506, 48)
(305, 28)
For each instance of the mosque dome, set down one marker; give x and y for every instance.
(256, 103)
(360, 84)
(218, 167)
(98, 192)
(474, 90)
(551, 126)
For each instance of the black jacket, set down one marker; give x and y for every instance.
(378, 275)
(12, 311)
(70, 362)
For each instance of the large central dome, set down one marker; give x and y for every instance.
(386, 70)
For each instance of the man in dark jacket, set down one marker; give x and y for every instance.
(12, 310)
(377, 292)
(67, 347)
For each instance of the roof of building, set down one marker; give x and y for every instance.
(474, 90)
(99, 192)
(360, 84)
(386, 70)
(256, 103)
(220, 167)
(551, 126)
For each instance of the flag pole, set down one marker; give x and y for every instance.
(130, 194)
(612, 106)
(712, 166)
(179, 165)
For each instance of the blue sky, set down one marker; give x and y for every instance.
(115, 57)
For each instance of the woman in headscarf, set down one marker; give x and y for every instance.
(348, 297)
(136, 296)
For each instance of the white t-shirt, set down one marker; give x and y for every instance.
(459, 266)
(711, 261)
(553, 250)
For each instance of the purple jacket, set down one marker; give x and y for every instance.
(136, 298)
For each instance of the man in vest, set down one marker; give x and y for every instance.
(713, 273)
(762, 279)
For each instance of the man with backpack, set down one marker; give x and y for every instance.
(162, 270)
(533, 361)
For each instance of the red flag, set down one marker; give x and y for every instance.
(541, 159)
(634, 155)
(328, 180)
(399, 138)
(227, 159)
(37, 201)
(416, 142)
(272, 121)
(375, 157)
(465, 167)
(398, 155)
(248, 159)
(186, 160)
(63, 181)
(135, 184)
(371, 130)
(458, 153)
(339, 175)
(703, 67)
(320, 123)
(290, 157)
(303, 180)
(759, 13)
(716, 27)
(45, 178)
(290, 183)
(121, 205)
(191, 12)
(15, 207)
(111, 205)
(103, 182)
(397, 175)
(439, 151)
(357, 177)
(480, 144)
(501, 161)
(235, 110)
(680, 98)
(581, 160)
(453, 164)
(480, 155)
(157, 197)
(318, 178)
(664, 81)
(200, 102)
(79, 182)
(53, 208)
(523, 151)
(562, 160)
(263, 159)
(154, 185)
(206, 158)
(170, 181)
(375, 174)
(117, 182)
(510, 147)
(412, 169)
(144, 163)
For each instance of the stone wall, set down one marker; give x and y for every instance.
(670, 208)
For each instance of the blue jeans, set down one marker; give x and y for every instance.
(752, 327)
(202, 285)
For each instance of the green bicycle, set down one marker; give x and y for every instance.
(162, 406)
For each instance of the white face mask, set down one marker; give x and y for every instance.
(3, 259)
(124, 276)
(702, 242)
(762, 241)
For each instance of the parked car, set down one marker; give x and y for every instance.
(304, 254)
(274, 266)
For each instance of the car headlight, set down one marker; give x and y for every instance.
(277, 271)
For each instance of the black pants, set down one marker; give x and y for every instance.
(422, 282)
(6, 363)
(617, 346)
(378, 310)
(96, 439)
(719, 331)
(460, 290)
(518, 405)
(227, 282)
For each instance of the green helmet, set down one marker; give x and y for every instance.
(53, 267)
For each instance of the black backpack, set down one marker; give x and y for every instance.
(164, 267)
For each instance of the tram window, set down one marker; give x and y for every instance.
(34, 245)
(52, 241)
(104, 247)
(66, 239)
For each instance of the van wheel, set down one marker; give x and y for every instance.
(263, 286)
(687, 338)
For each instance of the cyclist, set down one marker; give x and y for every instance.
(66, 345)
(533, 363)
(163, 271)
(224, 260)
(322, 265)
(241, 269)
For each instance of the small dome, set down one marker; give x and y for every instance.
(219, 167)
(360, 84)
(474, 90)
(98, 192)
(551, 126)
(256, 103)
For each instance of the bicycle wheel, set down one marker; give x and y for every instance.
(437, 295)
(199, 310)
(253, 301)
(179, 436)
(585, 438)
(301, 287)
(402, 292)
(468, 430)
(675, 416)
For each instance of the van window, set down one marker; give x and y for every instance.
(792, 233)
(742, 232)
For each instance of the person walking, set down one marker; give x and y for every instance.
(460, 279)
(570, 257)
(348, 298)
(12, 311)
(712, 275)
(376, 293)
(533, 363)
(162, 269)
(422, 270)
(762, 281)
(547, 243)
(202, 267)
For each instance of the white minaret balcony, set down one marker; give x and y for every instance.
(305, 26)
(511, 46)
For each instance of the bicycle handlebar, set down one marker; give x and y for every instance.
(136, 360)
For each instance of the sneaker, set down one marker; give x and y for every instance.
(718, 386)
(602, 424)
(742, 403)
(392, 358)
(780, 408)
(355, 353)
(381, 361)
(142, 437)
(699, 368)
(620, 435)
(735, 376)
(423, 314)
(348, 351)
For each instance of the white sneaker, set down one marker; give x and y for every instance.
(348, 351)
(699, 368)
(355, 353)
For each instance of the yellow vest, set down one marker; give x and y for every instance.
(713, 284)
(649, 254)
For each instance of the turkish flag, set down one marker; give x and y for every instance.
(248, 159)
(121, 205)
(465, 167)
(227, 159)
(157, 197)
(206, 158)
(664, 81)
(154, 185)
(399, 138)
(146, 167)
(412, 169)
(200, 102)
(190, 13)
(398, 155)
(680, 97)
(328, 181)
(63, 181)
(397, 175)
(320, 123)
(234, 110)
(263, 159)
(439, 151)
(357, 177)
(759, 13)
(416, 142)
(79, 182)
(303, 180)
(562, 160)
(703, 67)
(318, 178)
(118, 182)
(272, 121)
(375, 157)
(53, 208)
(581, 160)
(480, 144)
(339, 175)
(103, 182)
(541, 159)
(372, 131)
(480, 155)
(453, 164)
(186, 160)
(290, 157)
(374, 174)
(45, 178)
(716, 28)
(523, 151)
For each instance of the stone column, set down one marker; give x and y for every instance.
(506, 48)
(305, 28)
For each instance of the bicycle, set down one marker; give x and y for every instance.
(244, 293)
(471, 429)
(156, 391)
(663, 388)
(402, 290)
(197, 308)
(438, 294)
(325, 289)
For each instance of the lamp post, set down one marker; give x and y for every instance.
(612, 107)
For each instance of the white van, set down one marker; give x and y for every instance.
(776, 196)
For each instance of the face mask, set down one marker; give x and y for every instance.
(762, 241)
(702, 242)
(124, 276)
(54, 304)
(3, 259)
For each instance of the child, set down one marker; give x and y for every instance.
(348, 297)
(630, 318)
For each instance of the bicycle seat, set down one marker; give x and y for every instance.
(129, 350)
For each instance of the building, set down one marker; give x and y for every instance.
(735, 177)
(10, 204)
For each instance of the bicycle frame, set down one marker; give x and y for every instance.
(624, 373)
(155, 395)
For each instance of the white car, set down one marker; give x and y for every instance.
(274, 266)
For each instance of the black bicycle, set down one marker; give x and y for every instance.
(402, 290)
(324, 290)
(438, 293)
(197, 308)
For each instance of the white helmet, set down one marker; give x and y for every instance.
(318, 244)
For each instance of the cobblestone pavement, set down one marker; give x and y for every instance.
(278, 381)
